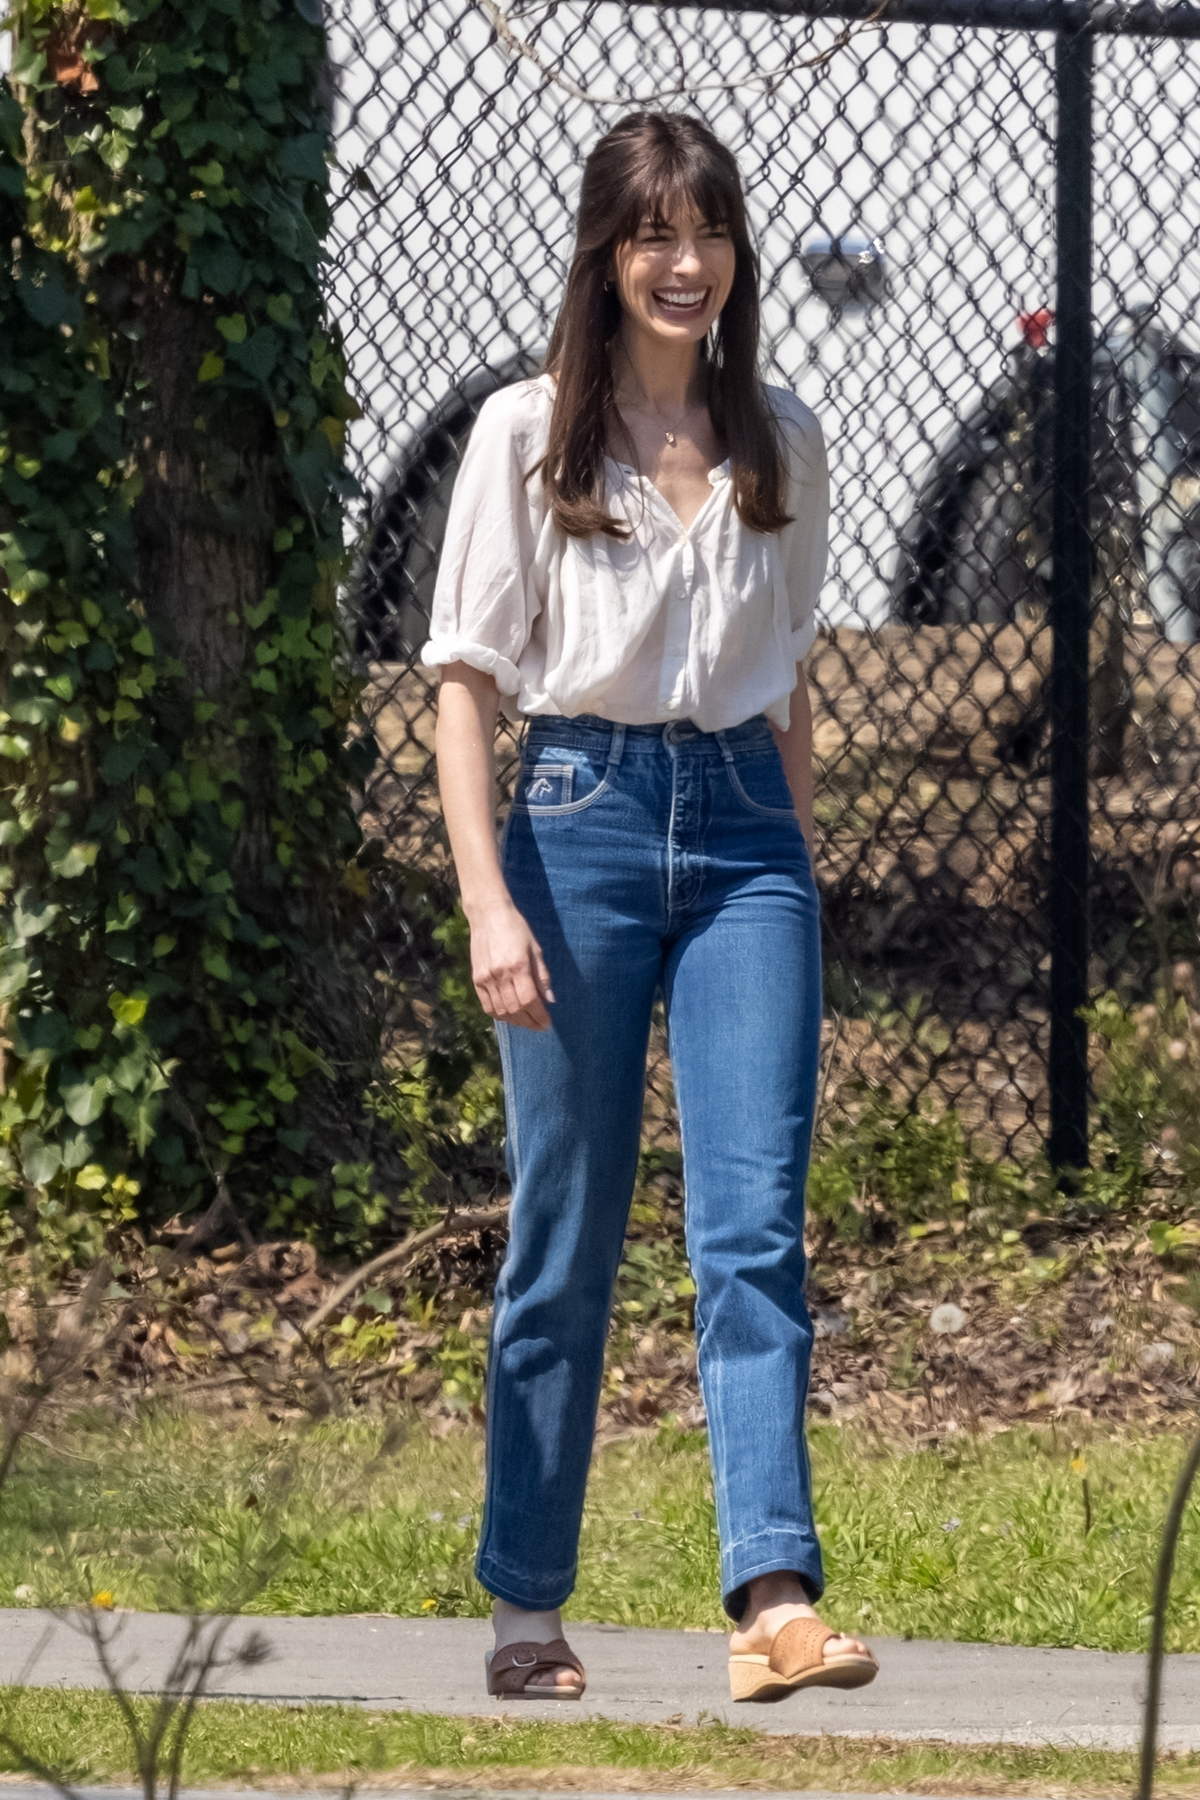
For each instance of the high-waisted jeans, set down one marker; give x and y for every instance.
(648, 857)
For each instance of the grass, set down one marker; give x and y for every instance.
(1028, 1537)
(232, 1741)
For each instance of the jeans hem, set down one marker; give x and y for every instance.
(517, 1595)
(801, 1554)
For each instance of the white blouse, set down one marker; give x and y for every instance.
(706, 622)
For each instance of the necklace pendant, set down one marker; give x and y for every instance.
(671, 437)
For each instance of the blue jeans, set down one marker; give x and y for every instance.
(648, 856)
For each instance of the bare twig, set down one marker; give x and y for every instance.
(415, 1241)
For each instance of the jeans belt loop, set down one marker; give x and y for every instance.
(615, 746)
(726, 747)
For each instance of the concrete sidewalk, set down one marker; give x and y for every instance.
(966, 1693)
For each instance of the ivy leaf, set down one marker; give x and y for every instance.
(120, 760)
(129, 1009)
(83, 1100)
(60, 446)
(48, 300)
(304, 156)
(41, 1163)
(76, 1147)
(259, 354)
(114, 150)
(32, 915)
(77, 860)
(217, 265)
(128, 1072)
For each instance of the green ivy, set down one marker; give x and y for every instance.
(182, 875)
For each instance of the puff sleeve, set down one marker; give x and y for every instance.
(805, 542)
(483, 597)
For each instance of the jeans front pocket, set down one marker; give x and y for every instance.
(559, 778)
(759, 782)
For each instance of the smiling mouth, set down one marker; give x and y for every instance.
(666, 304)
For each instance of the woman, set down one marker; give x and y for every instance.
(632, 556)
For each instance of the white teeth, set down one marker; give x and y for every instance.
(681, 299)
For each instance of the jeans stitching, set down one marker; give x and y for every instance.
(570, 806)
(522, 1575)
(773, 812)
(772, 1531)
(499, 1295)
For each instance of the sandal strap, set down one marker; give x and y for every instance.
(798, 1645)
(512, 1667)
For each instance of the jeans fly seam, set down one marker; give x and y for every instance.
(670, 831)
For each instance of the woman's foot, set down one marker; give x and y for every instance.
(512, 1625)
(771, 1601)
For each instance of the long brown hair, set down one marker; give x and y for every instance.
(646, 165)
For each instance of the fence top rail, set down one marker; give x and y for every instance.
(1134, 18)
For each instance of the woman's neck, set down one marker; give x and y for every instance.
(660, 380)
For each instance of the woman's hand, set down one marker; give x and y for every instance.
(508, 968)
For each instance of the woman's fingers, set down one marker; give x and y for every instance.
(521, 1001)
(513, 983)
(542, 972)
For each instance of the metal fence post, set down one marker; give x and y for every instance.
(1070, 595)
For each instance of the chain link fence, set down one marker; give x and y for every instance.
(900, 179)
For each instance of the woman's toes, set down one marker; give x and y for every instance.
(847, 1646)
(563, 1676)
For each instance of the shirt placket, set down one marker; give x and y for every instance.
(678, 622)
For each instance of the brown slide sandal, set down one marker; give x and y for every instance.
(508, 1670)
(795, 1660)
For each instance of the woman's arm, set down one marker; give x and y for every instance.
(483, 606)
(795, 747)
(507, 966)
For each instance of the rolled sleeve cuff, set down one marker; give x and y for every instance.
(503, 670)
(803, 638)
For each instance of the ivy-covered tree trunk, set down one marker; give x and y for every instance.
(184, 876)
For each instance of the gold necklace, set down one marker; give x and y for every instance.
(669, 433)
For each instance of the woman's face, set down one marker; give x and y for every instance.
(685, 257)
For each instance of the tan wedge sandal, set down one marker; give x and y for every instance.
(795, 1660)
(509, 1670)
